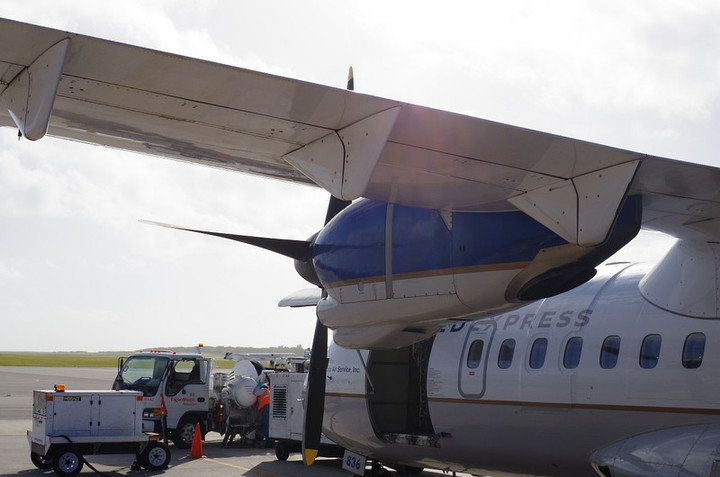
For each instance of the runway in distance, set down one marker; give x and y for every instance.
(456, 267)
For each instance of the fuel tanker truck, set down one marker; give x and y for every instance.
(181, 390)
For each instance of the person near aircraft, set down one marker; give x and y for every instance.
(263, 401)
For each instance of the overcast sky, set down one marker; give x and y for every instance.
(78, 272)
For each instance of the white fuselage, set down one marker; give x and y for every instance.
(453, 405)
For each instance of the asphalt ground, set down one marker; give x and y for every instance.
(17, 384)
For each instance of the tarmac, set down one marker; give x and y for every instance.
(17, 384)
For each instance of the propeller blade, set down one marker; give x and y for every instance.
(334, 207)
(351, 80)
(297, 249)
(315, 395)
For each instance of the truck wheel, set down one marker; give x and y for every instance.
(67, 462)
(183, 435)
(40, 462)
(155, 456)
(282, 451)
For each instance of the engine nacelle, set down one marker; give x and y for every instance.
(411, 268)
(678, 452)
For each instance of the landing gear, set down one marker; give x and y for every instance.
(377, 469)
(408, 470)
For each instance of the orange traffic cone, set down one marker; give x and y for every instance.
(196, 449)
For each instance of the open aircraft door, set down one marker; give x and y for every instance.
(474, 358)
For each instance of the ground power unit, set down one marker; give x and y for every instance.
(66, 425)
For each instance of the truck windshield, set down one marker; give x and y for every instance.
(142, 373)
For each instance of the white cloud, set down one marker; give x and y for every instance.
(7, 273)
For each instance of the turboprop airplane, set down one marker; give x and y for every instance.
(455, 266)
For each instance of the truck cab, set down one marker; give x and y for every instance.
(177, 385)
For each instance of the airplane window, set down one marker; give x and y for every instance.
(537, 353)
(650, 351)
(609, 352)
(573, 350)
(505, 356)
(475, 353)
(693, 350)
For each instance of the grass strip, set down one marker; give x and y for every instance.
(61, 360)
(57, 360)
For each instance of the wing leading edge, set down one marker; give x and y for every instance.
(351, 144)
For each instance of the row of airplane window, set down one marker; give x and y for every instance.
(648, 357)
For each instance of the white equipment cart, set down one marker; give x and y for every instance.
(69, 424)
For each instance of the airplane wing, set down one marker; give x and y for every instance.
(353, 145)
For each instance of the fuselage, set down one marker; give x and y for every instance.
(532, 391)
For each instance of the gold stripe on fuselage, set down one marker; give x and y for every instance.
(560, 405)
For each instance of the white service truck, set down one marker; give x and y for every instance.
(181, 390)
(66, 425)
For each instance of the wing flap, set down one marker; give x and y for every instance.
(207, 135)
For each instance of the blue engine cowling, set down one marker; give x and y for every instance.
(406, 268)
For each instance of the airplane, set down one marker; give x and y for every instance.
(457, 266)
